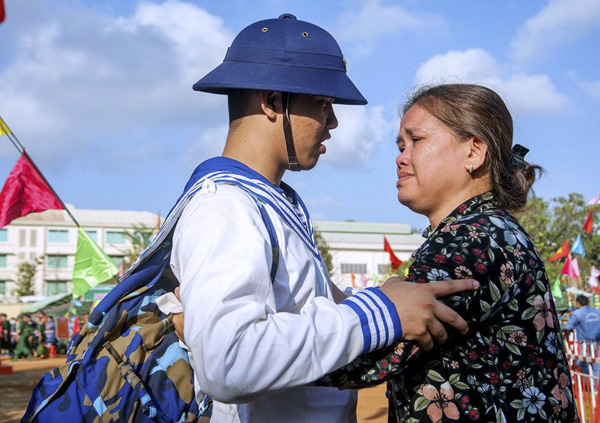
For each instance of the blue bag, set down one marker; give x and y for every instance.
(126, 364)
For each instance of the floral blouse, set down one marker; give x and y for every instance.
(511, 365)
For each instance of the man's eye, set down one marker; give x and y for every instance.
(415, 139)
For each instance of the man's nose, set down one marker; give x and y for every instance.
(332, 121)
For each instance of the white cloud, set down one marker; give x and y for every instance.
(375, 20)
(522, 92)
(78, 76)
(558, 24)
(590, 88)
(360, 130)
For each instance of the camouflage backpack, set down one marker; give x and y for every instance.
(126, 364)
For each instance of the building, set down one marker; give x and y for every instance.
(357, 249)
(49, 240)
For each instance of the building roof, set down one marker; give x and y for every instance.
(368, 235)
(89, 217)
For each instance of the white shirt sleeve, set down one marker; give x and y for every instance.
(242, 348)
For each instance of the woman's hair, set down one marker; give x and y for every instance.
(472, 110)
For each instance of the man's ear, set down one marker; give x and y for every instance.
(476, 154)
(271, 103)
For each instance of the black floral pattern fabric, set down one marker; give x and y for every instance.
(511, 365)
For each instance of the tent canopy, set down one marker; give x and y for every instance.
(48, 302)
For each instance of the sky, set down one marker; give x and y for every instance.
(100, 93)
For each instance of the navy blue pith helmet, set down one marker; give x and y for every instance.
(286, 55)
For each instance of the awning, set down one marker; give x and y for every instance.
(48, 302)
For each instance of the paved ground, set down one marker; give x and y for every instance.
(16, 390)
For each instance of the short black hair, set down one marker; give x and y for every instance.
(583, 300)
(237, 103)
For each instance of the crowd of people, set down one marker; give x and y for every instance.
(33, 336)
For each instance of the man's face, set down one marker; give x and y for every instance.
(312, 117)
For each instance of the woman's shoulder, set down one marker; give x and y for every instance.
(484, 227)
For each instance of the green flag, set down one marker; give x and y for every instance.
(92, 265)
(556, 290)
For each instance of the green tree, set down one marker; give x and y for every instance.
(323, 248)
(552, 223)
(25, 274)
(139, 238)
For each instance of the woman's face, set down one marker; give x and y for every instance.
(432, 167)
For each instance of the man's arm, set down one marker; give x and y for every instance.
(573, 322)
(241, 347)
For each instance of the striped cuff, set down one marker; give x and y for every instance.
(378, 318)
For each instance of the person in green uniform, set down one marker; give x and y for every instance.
(25, 333)
(5, 344)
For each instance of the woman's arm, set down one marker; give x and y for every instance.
(468, 250)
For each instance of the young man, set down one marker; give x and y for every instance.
(5, 339)
(260, 319)
(25, 334)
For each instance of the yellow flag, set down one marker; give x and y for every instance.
(3, 128)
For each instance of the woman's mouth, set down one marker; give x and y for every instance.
(402, 176)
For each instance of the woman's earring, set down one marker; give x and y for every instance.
(471, 169)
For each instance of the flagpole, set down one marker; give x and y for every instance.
(15, 142)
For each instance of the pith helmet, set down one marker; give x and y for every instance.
(286, 55)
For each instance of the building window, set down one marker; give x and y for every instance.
(93, 234)
(117, 260)
(22, 237)
(55, 261)
(358, 268)
(2, 287)
(58, 236)
(115, 237)
(3, 235)
(33, 238)
(56, 287)
(382, 269)
(2, 260)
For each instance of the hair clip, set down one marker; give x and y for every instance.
(518, 156)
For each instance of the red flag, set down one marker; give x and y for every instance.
(563, 251)
(570, 268)
(2, 11)
(25, 192)
(396, 262)
(587, 226)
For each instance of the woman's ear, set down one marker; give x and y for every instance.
(476, 154)
(271, 103)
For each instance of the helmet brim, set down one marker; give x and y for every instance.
(232, 75)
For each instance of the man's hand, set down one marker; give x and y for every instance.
(421, 314)
(178, 319)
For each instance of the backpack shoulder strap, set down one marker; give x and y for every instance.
(272, 234)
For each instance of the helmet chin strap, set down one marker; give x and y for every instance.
(293, 164)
